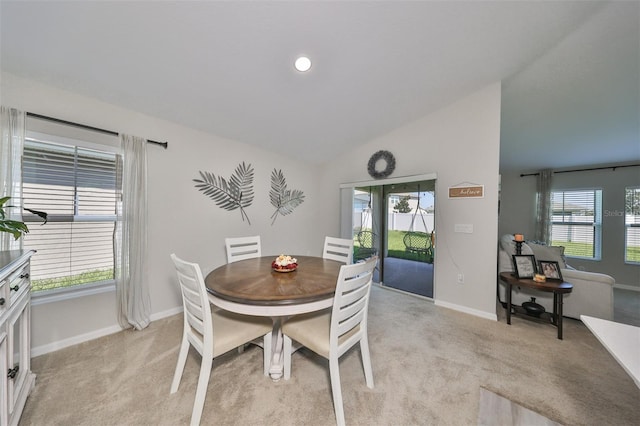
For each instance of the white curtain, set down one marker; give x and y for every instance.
(131, 236)
(12, 128)
(543, 210)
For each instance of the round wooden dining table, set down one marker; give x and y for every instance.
(252, 287)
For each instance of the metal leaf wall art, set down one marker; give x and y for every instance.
(235, 194)
(283, 199)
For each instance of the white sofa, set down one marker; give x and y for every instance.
(592, 293)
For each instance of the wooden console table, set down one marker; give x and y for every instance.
(557, 287)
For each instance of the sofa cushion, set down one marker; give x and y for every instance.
(552, 253)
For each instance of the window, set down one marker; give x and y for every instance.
(77, 187)
(577, 222)
(632, 225)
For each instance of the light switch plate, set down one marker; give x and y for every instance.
(464, 228)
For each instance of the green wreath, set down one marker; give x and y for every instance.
(390, 164)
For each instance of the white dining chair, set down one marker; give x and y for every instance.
(242, 248)
(331, 333)
(211, 333)
(340, 249)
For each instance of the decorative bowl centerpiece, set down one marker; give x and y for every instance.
(284, 263)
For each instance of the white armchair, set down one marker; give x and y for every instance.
(592, 293)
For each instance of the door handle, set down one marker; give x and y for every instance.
(13, 372)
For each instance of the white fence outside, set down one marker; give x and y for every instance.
(397, 221)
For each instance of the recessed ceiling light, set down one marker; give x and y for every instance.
(303, 64)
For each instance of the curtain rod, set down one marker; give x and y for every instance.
(84, 126)
(584, 170)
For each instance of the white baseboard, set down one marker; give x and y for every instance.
(466, 310)
(626, 287)
(168, 313)
(453, 306)
(81, 338)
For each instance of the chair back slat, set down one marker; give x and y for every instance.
(351, 316)
(347, 311)
(196, 322)
(197, 319)
(339, 249)
(350, 323)
(243, 248)
(354, 289)
(351, 300)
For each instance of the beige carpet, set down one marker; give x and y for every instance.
(429, 365)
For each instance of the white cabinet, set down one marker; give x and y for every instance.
(16, 378)
(4, 399)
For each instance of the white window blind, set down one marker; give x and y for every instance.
(577, 222)
(77, 187)
(632, 225)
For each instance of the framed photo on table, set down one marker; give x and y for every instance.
(550, 269)
(524, 265)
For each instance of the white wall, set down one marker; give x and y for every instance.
(460, 143)
(181, 219)
(518, 205)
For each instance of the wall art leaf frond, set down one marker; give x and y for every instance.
(283, 199)
(237, 193)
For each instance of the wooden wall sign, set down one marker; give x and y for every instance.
(476, 191)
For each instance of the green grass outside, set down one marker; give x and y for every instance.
(396, 247)
(586, 250)
(575, 249)
(633, 254)
(61, 282)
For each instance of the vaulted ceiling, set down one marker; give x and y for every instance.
(569, 68)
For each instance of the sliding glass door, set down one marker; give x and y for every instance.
(408, 260)
(396, 221)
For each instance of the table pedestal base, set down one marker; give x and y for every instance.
(278, 314)
(276, 369)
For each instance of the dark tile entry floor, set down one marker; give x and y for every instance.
(408, 275)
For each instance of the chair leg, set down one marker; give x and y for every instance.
(267, 353)
(287, 356)
(182, 360)
(366, 361)
(336, 389)
(201, 391)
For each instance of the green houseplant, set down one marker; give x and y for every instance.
(15, 227)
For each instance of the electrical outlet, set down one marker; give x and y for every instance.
(460, 278)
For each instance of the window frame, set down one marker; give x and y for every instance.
(630, 225)
(596, 224)
(89, 140)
